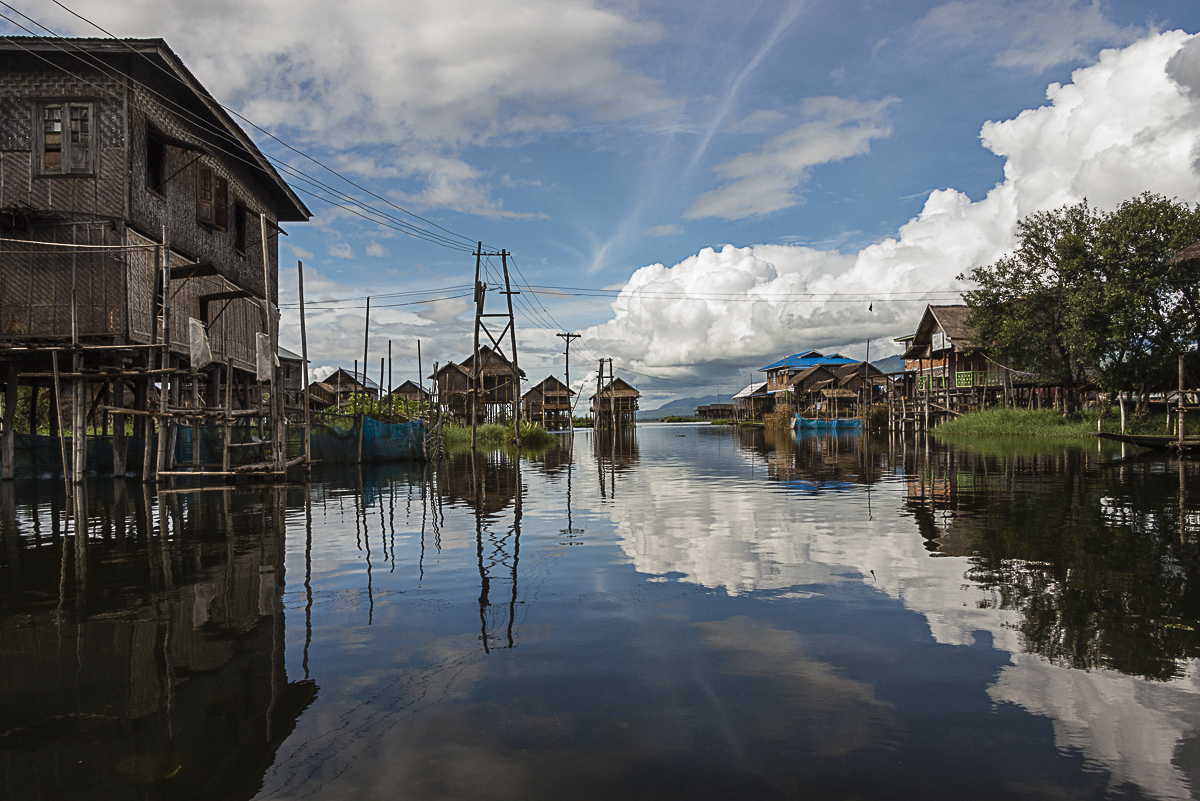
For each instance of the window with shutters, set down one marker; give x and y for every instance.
(212, 198)
(65, 137)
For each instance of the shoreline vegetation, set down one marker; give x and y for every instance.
(495, 435)
(1050, 423)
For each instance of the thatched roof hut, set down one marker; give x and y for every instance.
(492, 363)
(1190, 253)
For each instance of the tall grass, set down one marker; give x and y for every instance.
(1049, 423)
(494, 435)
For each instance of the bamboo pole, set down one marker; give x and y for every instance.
(474, 388)
(512, 332)
(1181, 407)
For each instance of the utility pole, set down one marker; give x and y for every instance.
(510, 328)
(567, 337)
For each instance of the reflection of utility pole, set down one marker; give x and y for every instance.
(567, 352)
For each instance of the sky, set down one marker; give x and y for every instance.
(698, 188)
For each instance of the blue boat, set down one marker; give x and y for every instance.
(837, 422)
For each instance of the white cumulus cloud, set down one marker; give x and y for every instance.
(1122, 126)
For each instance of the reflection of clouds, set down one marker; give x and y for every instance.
(725, 532)
(1129, 725)
(716, 536)
(833, 715)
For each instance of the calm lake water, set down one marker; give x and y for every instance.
(679, 612)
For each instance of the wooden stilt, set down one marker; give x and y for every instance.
(9, 454)
(120, 442)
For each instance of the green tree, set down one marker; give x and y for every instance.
(1023, 306)
(1088, 296)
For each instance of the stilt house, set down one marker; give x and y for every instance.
(549, 403)
(138, 232)
(497, 392)
(617, 401)
(453, 383)
(410, 391)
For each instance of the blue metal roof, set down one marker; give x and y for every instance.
(802, 361)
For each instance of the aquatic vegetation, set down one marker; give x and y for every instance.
(1050, 423)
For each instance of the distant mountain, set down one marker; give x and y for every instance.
(681, 407)
(892, 364)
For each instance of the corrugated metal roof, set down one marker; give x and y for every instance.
(803, 361)
(753, 389)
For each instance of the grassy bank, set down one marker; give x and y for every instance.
(494, 435)
(1049, 423)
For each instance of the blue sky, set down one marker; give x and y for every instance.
(593, 140)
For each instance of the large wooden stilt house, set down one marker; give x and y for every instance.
(138, 247)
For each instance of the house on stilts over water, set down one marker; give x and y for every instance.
(615, 405)
(139, 229)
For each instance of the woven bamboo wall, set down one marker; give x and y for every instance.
(37, 283)
(230, 335)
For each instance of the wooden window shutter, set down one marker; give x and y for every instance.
(221, 203)
(82, 139)
(204, 194)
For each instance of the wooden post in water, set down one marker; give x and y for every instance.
(304, 359)
(165, 382)
(362, 419)
(225, 455)
(512, 333)
(119, 443)
(57, 417)
(1180, 415)
(474, 388)
(10, 421)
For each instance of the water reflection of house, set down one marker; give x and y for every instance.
(158, 663)
(821, 461)
(486, 481)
